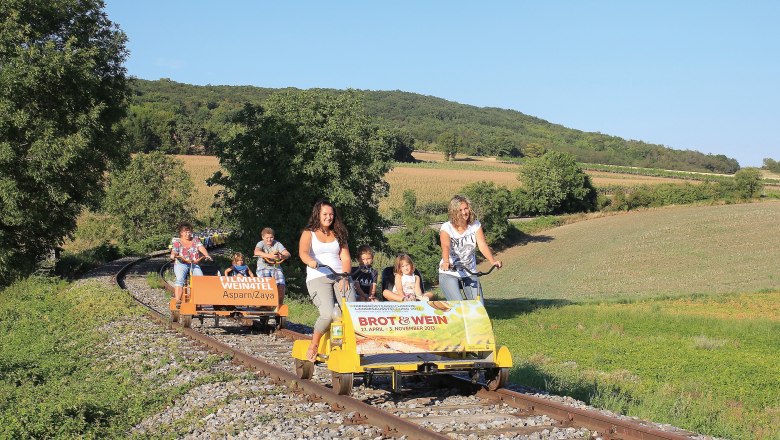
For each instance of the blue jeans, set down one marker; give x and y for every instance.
(450, 286)
(182, 270)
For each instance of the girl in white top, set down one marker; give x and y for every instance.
(407, 285)
(460, 237)
(324, 242)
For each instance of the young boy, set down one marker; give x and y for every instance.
(364, 275)
(271, 253)
(238, 268)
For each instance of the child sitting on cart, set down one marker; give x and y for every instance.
(238, 268)
(271, 254)
(408, 286)
(365, 275)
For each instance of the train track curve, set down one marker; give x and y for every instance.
(449, 408)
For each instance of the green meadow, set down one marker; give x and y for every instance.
(67, 369)
(671, 315)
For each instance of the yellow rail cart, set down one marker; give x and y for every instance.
(400, 339)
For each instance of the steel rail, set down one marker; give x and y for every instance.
(608, 427)
(391, 424)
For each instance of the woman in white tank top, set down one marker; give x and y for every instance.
(460, 238)
(324, 242)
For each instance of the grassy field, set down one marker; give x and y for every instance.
(706, 364)
(63, 371)
(669, 251)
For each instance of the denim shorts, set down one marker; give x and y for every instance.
(276, 273)
(182, 270)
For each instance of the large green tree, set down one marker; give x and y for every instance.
(449, 142)
(554, 183)
(149, 197)
(747, 183)
(771, 165)
(304, 146)
(62, 93)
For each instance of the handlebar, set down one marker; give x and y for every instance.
(190, 262)
(337, 274)
(457, 267)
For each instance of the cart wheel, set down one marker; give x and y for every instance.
(282, 322)
(304, 369)
(216, 320)
(342, 382)
(174, 315)
(186, 320)
(497, 378)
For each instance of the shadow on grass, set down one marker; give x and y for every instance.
(518, 238)
(502, 308)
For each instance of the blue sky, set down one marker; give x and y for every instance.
(698, 75)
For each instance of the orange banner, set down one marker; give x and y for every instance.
(234, 291)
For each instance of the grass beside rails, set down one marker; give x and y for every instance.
(70, 366)
(52, 381)
(708, 364)
(154, 281)
(302, 311)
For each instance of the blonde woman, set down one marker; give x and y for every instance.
(460, 237)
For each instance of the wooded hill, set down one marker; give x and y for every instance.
(182, 118)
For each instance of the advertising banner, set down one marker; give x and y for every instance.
(421, 327)
(237, 291)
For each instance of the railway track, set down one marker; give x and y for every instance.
(448, 407)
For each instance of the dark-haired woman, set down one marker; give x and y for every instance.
(186, 251)
(324, 241)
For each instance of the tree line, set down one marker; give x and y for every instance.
(181, 118)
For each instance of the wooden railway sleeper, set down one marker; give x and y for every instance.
(314, 398)
(389, 431)
(356, 419)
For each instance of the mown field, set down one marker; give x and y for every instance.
(667, 251)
